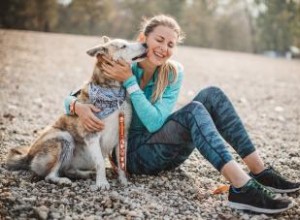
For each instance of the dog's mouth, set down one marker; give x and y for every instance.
(144, 55)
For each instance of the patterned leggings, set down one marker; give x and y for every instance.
(207, 123)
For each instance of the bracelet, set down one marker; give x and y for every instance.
(72, 107)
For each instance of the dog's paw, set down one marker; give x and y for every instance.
(101, 185)
(58, 180)
(64, 181)
(123, 181)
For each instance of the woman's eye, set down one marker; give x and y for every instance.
(159, 40)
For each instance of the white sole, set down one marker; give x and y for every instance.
(256, 209)
(282, 190)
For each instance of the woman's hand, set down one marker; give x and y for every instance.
(86, 115)
(116, 70)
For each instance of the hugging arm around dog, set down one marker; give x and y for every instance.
(161, 140)
(147, 117)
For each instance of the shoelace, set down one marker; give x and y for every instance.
(261, 188)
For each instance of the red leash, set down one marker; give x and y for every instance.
(122, 147)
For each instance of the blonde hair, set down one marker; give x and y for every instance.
(167, 72)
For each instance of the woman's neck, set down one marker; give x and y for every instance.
(148, 67)
(149, 70)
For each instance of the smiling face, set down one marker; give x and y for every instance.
(161, 43)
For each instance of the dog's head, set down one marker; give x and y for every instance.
(120, 49)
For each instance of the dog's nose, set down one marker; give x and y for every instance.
(145, 45)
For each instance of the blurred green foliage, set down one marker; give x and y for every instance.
(241, 25)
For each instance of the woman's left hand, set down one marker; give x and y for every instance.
(116, 70)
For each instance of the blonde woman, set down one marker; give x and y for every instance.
(161, 140)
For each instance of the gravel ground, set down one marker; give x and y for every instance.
(37, 70)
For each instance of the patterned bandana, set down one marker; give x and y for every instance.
(107, 100)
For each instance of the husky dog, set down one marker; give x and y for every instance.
(66, 148)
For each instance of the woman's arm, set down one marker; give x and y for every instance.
(85, 112)
(154, 115)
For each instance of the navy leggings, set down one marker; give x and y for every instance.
(209, 123)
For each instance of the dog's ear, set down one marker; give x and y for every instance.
(97, 50)
(100, 49)
(105, 39)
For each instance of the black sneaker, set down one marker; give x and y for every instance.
(275, 182)
(255, 197)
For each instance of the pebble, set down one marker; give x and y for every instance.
(279, 109)
(42, 212)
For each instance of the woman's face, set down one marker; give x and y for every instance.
(161, 43)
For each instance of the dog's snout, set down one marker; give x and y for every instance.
(145, 45)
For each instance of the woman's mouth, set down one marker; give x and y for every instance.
(159, 55)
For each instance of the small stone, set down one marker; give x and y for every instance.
(123, 211)
(245, 217)
(55, 215)
(278, 109)
(41, 212)
(281, 118)
(133, 214)
(167, 218)
(114, 195)
(108, 211)
(243, 100)
(91, 217)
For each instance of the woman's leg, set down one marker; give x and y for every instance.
(234, 174)
(187, 128)
(254, 162)
(233, 131)
(172, 144)
(230, 126)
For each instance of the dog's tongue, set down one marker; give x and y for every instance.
(138, 57)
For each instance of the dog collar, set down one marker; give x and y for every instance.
(107, 100)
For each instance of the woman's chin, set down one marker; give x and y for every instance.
(157, 62)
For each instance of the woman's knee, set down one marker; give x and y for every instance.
(188, 113)
(208, 94)
(195, 107)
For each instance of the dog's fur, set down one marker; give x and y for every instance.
(66, 148)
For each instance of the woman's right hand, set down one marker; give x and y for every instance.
(86, 115)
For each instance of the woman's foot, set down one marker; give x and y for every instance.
(255, 197)
(275, 182)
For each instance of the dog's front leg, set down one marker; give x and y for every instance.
(93, 145)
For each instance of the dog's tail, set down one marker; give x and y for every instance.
(17, 158)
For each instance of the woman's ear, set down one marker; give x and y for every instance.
(141, 37)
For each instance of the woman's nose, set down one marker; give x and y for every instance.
(164, 48)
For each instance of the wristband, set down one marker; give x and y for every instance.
(133, 88)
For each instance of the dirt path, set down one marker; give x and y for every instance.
(37, 70)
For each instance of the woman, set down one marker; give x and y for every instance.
(159, 140)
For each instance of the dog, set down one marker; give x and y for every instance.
(66, 149)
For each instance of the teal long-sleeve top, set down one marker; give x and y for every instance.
(146, 114)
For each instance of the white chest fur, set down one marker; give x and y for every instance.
(108, 139)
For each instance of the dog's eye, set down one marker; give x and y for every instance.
(123, 47)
